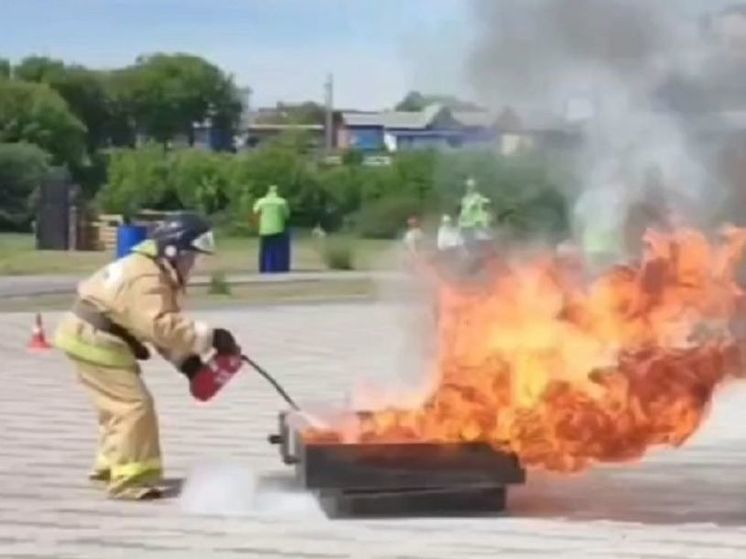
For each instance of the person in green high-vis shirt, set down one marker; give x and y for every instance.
(474, 217)
(274, 240)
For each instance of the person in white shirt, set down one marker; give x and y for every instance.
(449, 236)
(414, 236)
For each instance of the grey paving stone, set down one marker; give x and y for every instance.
(689, 502)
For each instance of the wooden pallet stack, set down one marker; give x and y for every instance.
(105, 227)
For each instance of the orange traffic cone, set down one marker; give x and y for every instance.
(38, 339)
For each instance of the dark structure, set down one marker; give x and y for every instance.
(398, 479)
(59, 211)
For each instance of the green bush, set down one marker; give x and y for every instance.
(338, 253)
(372, 201)
(139, 179)
(386, 218)
(230, 223)
(201, 179)
(543, 215)
(352, 157)
(154, 178)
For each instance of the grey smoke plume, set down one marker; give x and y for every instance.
(652, 80)
(531, 50)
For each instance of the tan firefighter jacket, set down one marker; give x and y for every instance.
(142, 295)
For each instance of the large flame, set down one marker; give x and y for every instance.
(565, 374)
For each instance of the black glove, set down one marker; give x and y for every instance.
(223, 342)
(191, 366)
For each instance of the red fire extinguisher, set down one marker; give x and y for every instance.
(216, 373)
(220, 369)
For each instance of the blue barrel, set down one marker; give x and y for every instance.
(129, 236)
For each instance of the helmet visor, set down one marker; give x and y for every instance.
(205, 243)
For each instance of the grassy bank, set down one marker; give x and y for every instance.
(18, 256)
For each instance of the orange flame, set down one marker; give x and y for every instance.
(565, 374)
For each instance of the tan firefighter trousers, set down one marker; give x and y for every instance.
(129, 455)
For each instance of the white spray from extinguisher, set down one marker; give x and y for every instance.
(229, 488)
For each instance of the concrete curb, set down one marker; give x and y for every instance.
(12, 287)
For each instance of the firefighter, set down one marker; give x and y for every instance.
(129, 303)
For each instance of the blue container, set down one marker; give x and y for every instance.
(129, 236)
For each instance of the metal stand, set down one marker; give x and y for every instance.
(399, 479)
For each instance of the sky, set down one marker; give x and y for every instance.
(377, 50)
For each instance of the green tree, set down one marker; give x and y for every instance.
(308, 112)
(89, 97)
(39, 69)
(416, 101)
(35, 113)
(82, 89)
(225, 113)
(22, 169)
(86, 95)
(5, 68)
(122, 124)
(170, 93)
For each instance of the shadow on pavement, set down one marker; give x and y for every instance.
(678, 493)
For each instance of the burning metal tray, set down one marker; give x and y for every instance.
(389, 479)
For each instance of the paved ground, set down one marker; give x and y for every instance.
(686, 503)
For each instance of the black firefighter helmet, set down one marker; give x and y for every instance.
(184, 232)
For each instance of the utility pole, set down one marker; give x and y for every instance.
(329, 125)
(247, 103)
(248, 120)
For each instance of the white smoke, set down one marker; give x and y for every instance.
(639, 75)
(405, 302)
(227, 488)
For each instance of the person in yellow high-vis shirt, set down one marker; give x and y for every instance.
(131, 302)
(475, 216)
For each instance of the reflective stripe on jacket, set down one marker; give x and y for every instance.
(144, 297)
(135, 469)
(80, 340)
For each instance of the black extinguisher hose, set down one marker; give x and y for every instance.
(276, 385)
